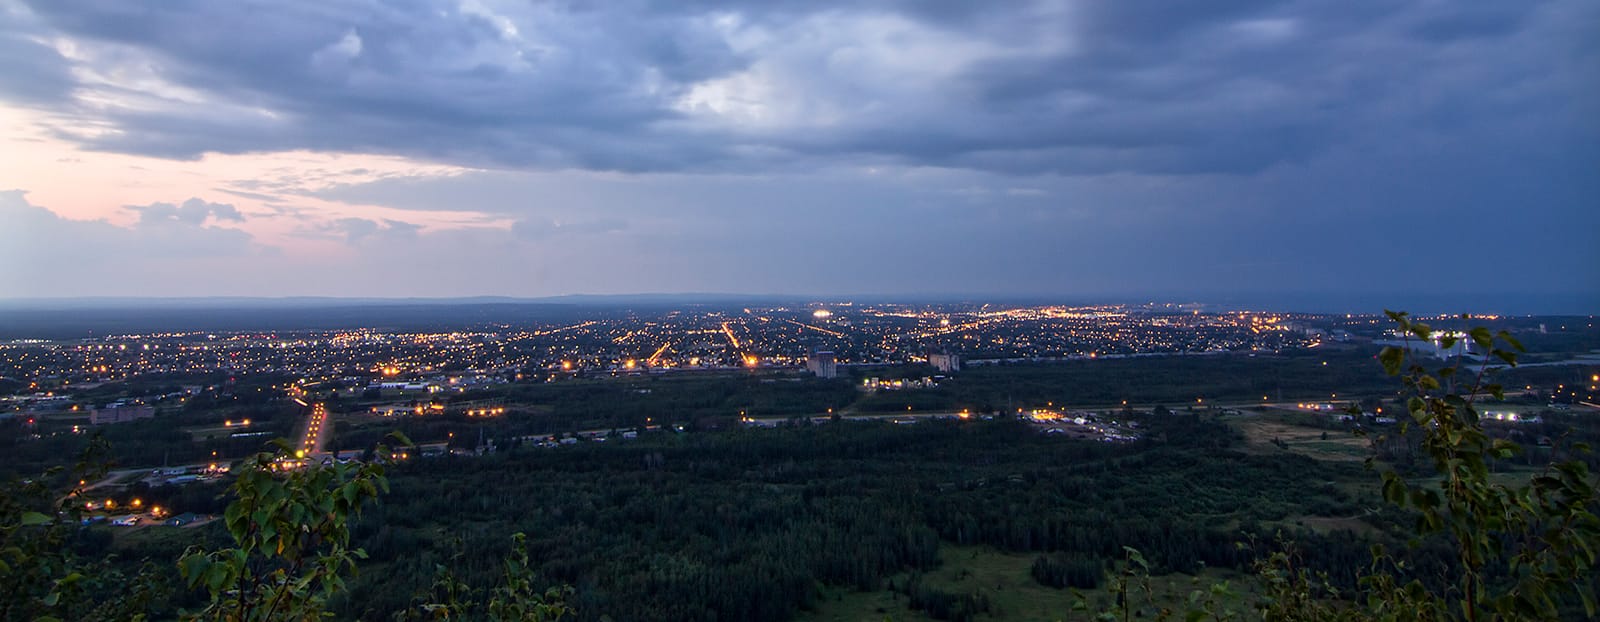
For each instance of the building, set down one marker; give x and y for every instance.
(118, 412)
(824, 364)
(1463, 346)
(945, 362)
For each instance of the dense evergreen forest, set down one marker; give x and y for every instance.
(749, 524)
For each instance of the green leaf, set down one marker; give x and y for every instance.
(1394, 490)
(1392, 358)
(34, 518)
(1480, 336)
(192, 567)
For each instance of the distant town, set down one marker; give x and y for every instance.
(1126, 410)
(639, 342)
(191, 402)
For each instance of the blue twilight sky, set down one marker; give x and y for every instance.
(1081, 149)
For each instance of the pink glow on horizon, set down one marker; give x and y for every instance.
(87, 185)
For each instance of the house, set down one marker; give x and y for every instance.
(119, 412)
(183, 519)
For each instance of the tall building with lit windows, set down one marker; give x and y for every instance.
(824, 364)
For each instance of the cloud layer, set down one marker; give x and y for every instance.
(1051, 147)
(1067, 87)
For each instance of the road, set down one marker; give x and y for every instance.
(315, 434)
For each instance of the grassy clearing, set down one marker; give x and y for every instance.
(1007, 581)
(1261, 432)
(1326, 524)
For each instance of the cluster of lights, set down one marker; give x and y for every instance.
(1043, 415)
(314, 430)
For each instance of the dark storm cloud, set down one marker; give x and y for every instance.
(1075, 88)
(34, 72)
(415, 78)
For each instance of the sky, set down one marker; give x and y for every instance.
(1073, 148)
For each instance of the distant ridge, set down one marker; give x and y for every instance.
(1571, 303)
(260, 302)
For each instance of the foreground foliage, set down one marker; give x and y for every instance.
(1522, 552)
(1518, 552)
(290, 524)
(43, 574)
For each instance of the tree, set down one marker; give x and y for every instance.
(290, 524)
(514, 600)
(41, 575)
(1522, 552)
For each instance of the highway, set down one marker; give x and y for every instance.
(315, 433)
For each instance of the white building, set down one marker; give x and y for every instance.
(945, 362)
(823, 364)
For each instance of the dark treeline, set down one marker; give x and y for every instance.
(1174, 380)
(152, 442)
(187, 431)
(749, 524)
(69, 320)
(699, 403)
(686, 398)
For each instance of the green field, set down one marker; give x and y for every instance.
(1314, 436)
(1005, 579)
